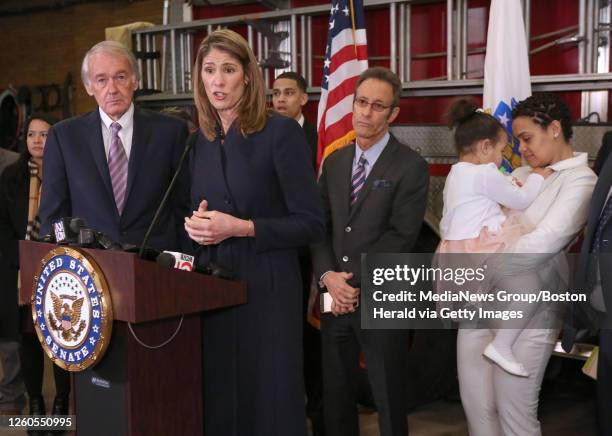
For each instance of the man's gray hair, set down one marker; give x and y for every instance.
(113, 48)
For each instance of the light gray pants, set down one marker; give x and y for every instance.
(11, 381)
(497, 403)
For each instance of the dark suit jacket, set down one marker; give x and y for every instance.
(76, 179)
(603, 153)
(387, 216)
(14, 186)
(582, 315)
(310, 130)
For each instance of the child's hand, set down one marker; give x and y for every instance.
(544, 172)
(515, 181)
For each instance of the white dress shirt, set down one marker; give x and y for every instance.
(126, 132)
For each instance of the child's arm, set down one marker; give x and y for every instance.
(499, 188)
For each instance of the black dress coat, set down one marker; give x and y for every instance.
(253, 382)
(14, 186)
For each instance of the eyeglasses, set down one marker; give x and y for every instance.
(120, 79)
(364, 103)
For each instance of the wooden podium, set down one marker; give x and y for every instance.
(135, 390)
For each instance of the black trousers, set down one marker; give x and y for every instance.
(385, 354)
(604, 382)
(32, 366)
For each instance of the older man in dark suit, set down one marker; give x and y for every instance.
(112, 166)
(594, 276)
(374, 196)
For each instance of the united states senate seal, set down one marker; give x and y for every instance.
(71, 308)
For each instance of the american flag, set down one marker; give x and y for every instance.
(346, 57)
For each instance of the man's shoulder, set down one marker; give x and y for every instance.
(158, 119)
(8, 155)
(277, 121)
(7, 158)
(77, 121)
(309, 127)
(405, 151)
(405, 159)
(340, 154)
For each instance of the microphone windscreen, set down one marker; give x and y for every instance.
(166, 260)
(76, 224)
(87, 237)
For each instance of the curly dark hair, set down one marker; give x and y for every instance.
(471, 124)
(543, 109)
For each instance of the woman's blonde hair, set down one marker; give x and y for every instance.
(252, 109)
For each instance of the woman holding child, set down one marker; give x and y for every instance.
(499, 390)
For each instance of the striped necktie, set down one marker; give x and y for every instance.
(118, 167)
(358, 178)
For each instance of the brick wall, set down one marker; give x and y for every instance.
(41, 48)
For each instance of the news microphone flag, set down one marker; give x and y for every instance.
(346, 57)
(182, 261)
(506, 70)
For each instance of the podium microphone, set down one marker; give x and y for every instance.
(74, 231)
(176, 260)
(190, 141)
(185, 262)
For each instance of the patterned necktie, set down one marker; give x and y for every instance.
(117, 166)
(358, 178)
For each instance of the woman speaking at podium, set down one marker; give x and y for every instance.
(255, 202)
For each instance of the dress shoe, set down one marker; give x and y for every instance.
(36, 408)
(513, 367)
(60, 406)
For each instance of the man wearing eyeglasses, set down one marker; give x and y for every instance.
(374, 196)
(112, 166)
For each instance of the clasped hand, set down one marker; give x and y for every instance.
(346, 298)
(211, 227)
